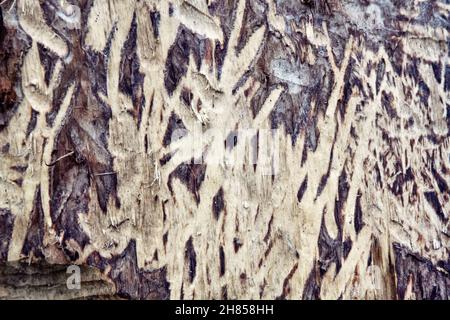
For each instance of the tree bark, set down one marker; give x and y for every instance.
(247, 149)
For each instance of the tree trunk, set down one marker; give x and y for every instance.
(213, 149)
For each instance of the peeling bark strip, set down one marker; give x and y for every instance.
(92, 92)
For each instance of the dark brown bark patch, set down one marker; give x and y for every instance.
(13, 46)
(381, 69)
(254, 17)
(32, 122)
(237, 244)
(85, 129)
(286, 283)
(222, 261)
(387, 100)
(224, 293)
(311, 291)
(95, 154)
(175, 129)
(48, 61)
(437, 69)
(428, 283)
(190, 258)
(358, 213)
(135, 283)
(131, 80)
(324, 179)
(186, 97)
(442, 184)
(225, 11)
(6, 229)
(191, 175)
(302, 189)
(330, 250)
(218, 203)
(395, 52)
(347, 247)
(433, 200)
(68, 201)
(97, 63)
(155, 17)
(186, 43)
(35, 235)
(447, 78)
(343, 189)
(351, 80)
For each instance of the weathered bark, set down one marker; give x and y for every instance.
(357, 93)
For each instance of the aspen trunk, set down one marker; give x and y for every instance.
(214, 149)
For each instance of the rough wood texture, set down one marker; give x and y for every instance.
(92, 92)
(42, 281)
